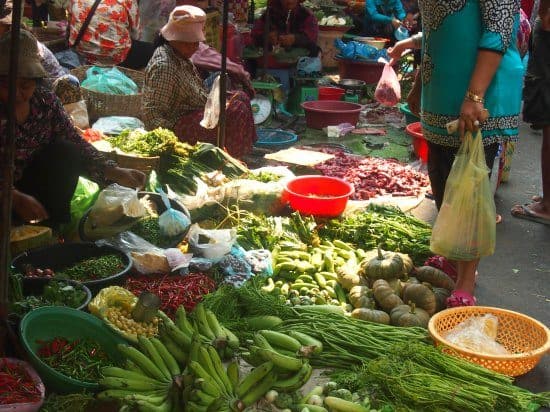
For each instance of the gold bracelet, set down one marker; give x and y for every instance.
(474, 97)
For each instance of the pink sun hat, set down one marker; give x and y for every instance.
(186, 23)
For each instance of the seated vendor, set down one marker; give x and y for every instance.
(174, 95)
(50, 155)
(290, 25)
(383, 17)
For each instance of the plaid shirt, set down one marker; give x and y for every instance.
(173, 88)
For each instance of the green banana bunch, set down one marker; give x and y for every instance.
(150, 380)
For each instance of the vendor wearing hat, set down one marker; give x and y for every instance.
(49, 153)
(174, 96)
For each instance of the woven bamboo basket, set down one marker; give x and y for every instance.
(525, 338)
(129, 161)
(103, 104)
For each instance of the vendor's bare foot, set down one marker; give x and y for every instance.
(535, 211)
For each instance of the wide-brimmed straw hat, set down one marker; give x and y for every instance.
(186, 23)
(29, 65)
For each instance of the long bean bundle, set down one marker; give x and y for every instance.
(420, 377)
(348, 341)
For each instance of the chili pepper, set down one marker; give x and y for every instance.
(16, 385)
(174, 290)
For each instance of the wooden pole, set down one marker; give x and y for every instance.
(223, 77)
(7, 154)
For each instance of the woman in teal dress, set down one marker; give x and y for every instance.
(471, 70)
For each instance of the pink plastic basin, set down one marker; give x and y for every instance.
(321, 196)
(323, 113)
(420, 145)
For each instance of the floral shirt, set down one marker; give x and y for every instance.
(173, 88)
(50, 63)
(47, 122)
(108, 38)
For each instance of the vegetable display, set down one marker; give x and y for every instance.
(80, 359)
(174, 291)
(153, 143)
(16, 385)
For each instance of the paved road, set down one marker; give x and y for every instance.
(517, 276)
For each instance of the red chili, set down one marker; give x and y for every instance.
(16, 385)
(174, 290)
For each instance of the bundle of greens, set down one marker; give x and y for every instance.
(153, 143)
(74, 402)
(415, 377)
(383, 225)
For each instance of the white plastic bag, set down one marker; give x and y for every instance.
(218, 243)
(79, 114)
(212, 107)
(115, 202)
(478, 334)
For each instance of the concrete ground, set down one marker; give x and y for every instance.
(517, 276)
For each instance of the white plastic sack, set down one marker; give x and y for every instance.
(79, 114)
(219, 241)
(115, 202)
(212, 107)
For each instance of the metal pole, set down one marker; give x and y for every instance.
(7, 152)
(267, 29)
(223, 77)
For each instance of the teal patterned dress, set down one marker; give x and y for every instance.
(453, 32)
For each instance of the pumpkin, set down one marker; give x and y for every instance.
(408, 264)
(361, 297)
(441, 295)
(395, 284)
(348, 275)
(409, 315)
(385, 296)
(421, 296)
(371, 315)
(386, 265)
(435, 277)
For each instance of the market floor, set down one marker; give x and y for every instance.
(517, 276)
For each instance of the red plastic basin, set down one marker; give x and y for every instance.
(420, 145)
(331, 93)
(323, 113)
(368, 71)
(321, 196)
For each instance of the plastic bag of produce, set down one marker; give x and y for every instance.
(84, 196)
(109, 81)
(211, 244)
(478, 334)
(465, 228)
(388, 90)
(146, 257)
(212, 107)
(172, 223)
(13, 366)
(113, 203)
(78, 113)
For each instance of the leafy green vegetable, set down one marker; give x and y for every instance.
(75, 402)
(93, 268)
(153, 143)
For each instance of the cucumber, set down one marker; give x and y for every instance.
(340, 405)
(263, 322)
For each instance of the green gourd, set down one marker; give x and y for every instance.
(421, 296)
(435, 277)
(371, 315)
(361, 297)
(409, 315)
(441, 295)
(385, 296)
(386, 265)
(408, 264)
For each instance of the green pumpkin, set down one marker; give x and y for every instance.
(361, 297)
(435, 277)
(371, 315)
(385, 296)
(386, 265)
(408, 264)
(421, 296)
(409, 315)
(441, 295)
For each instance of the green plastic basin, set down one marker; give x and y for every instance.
(56, 321)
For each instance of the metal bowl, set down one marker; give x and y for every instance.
(352, 85)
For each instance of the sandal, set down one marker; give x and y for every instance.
(525, 212)
(460, 298)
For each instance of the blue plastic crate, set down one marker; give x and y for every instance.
(275, 137)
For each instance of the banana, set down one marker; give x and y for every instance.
(182, 322)
(262, 342)
(232, 340)
(259, 390)
(218, 368)
(148, 347)
(195, 407)
(142, 362)
(294, 382)
(253, 377)
(202, 322)
(122, 393)
(195, 346)
(131, 384)
(281, 340)
(233, 373)
(131, 366)
(154, 400)
(201, 398)
(208, 365)
(166, 356)
(179, 355)
(145, 406)
(201, 373)
(252, 358)
(207, 387)
(281, 361)
(215, 327)
(177, 335)
(114, 372)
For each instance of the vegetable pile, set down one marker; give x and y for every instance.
(55, 293)
(93, 268)
(173, 291)
(153, 143)
(80, 359)
(372, 176)
(16, 386)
